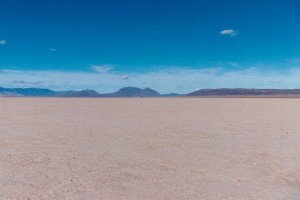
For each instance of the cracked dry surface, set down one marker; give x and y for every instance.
(178, 148)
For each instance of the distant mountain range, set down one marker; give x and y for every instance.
(245, 92)
(128, 92)
(37, 92)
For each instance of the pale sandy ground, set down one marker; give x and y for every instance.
(149, 148)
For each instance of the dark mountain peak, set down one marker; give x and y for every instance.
(149, 90)
(89, 92)
(82, 93)
(134, 92)
(129, 88)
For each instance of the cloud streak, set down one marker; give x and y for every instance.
(3, 42)
(103, 69)
(229, 32)
(174, 79)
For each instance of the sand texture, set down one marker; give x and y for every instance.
(178, 148)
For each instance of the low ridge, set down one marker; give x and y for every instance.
(244, 92)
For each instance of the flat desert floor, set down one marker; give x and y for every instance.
(177, 148)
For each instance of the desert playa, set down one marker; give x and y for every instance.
(158, 148)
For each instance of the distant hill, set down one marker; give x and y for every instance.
(82, 93)
(133, 92)
(245, 92)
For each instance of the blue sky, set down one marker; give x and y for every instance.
(169, 45)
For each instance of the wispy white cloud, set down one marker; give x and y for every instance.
(102, 68)
(173, 79)
(2, 42)
(229, 32)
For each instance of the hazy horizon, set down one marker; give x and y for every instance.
(169, 46)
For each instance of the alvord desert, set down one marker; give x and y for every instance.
(183, 148)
